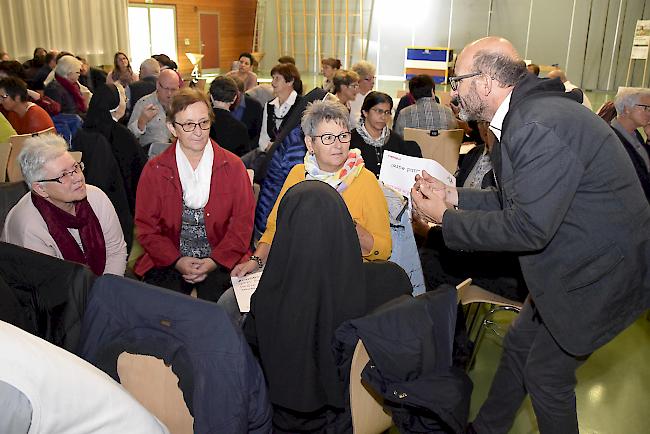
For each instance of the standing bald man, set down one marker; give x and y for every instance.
(569, 203)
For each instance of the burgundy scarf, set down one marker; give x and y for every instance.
(92, 238)
(73, 89)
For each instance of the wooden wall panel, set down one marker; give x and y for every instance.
(236, 23)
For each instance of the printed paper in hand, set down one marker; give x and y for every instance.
(244, 288)
(398, 171)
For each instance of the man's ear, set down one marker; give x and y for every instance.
(486, 84)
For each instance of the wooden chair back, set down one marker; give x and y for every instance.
(442, 146)
(155, 386)
(444, 97)
(5, 150)
(368, 415)
(17, 143)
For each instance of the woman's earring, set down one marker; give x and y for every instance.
(311, 152)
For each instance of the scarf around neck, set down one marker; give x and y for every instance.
(341, 179)
(85, 221)
(365, 135)
(74, 90)
(195, 183)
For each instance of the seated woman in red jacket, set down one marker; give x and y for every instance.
(25, 116)
(194, 206)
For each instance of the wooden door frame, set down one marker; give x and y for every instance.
(218, 40)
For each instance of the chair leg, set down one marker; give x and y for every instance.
(486, 323)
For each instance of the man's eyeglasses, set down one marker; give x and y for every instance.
(328, 139)
(67, 175)
(168, 89)
(454, 81)
(189, 127)
(646, 107)
(382, 112)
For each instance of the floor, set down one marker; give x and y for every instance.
(612, 392)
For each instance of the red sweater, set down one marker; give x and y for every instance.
(229, 212)
(36, 119)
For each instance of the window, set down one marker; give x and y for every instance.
(152, 30)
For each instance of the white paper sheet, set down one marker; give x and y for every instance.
(398, 171)
(244, 288)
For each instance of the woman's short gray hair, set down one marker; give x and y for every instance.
(364, 69)
(39, 150)
(66, 65)
(628, 97)
(324, 111)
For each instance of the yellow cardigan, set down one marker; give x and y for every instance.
(366, 204)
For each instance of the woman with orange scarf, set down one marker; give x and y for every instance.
(330, 160)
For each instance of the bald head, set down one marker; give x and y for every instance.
(557, 73)
(495, 57)
(492, 68)
(494, 44)
(167, 86)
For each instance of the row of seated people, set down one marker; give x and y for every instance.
(372, 135)
(376, 106)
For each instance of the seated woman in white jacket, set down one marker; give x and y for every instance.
(62, 216)
(45, 389)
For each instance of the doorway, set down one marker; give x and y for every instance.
(209, 41)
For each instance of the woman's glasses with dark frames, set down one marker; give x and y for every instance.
(67, 175)
(328, 139)
(189, 127)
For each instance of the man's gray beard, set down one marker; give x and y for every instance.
(465, 116)
(479, 116)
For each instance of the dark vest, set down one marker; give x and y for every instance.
(271, 130)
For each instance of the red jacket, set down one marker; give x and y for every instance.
(229, 212)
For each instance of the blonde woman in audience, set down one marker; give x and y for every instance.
(245, 73)
(194, 206)
(62, 216)
(122, 71)
(366, 71)
(329, 67)
(346, 86)
(329, 159)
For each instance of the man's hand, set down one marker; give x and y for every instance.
(148, 113)
(437, 187)
(428, 204)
